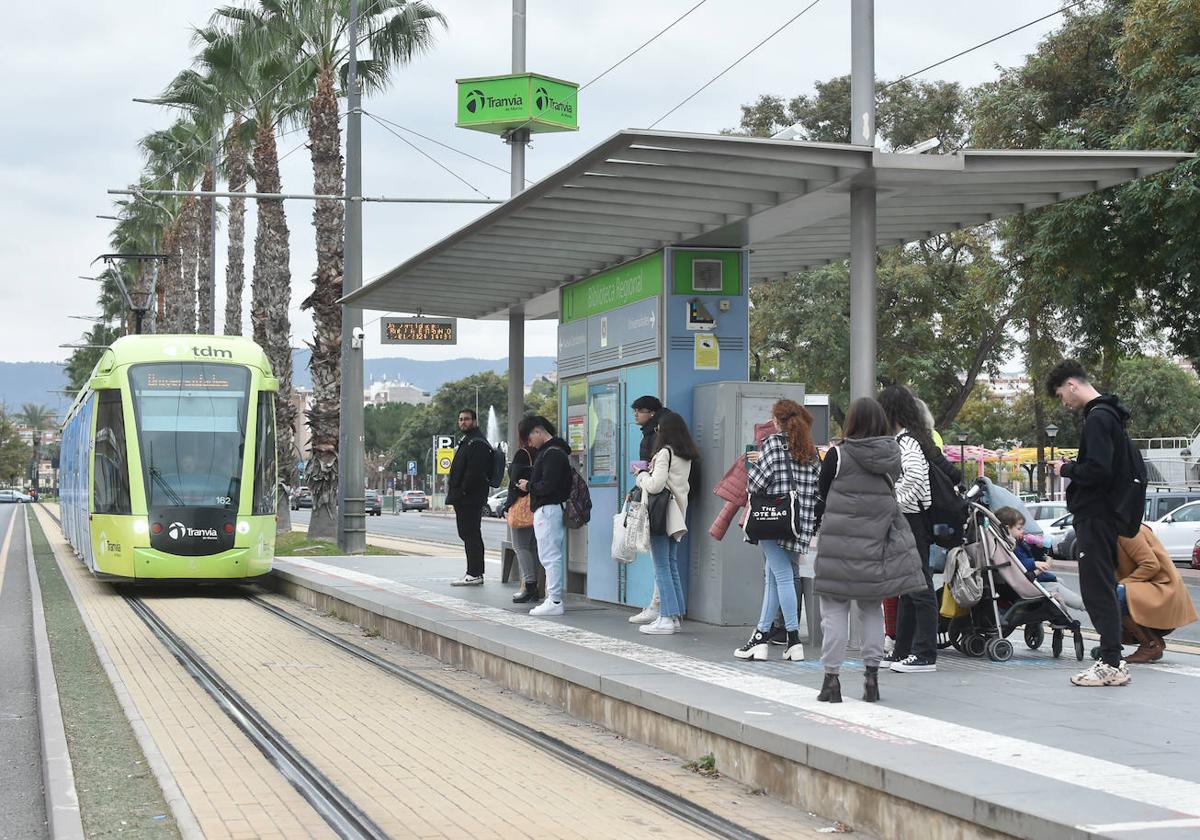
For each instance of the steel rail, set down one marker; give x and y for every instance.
(675, 805)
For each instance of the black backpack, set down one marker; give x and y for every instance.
(947, 511)
(496, 464)
(1129, 500)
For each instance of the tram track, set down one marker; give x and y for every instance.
(338, 809)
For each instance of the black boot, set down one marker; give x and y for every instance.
(527, 594)
(831, 689)
(794, 650)
(871, 684)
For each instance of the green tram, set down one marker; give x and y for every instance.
(168, 461)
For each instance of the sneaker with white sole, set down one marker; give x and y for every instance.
(913, 664)
(468, 580)
(548, 607)
(661, 626)
(645, 616)
(755, 648)
(1101, 673)
(678, 622)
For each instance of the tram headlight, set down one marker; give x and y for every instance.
(243, 527)
(140, 526)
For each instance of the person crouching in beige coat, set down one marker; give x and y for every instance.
(1157, 601)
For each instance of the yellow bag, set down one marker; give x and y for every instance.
(950, 607)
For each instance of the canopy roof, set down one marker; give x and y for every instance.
(788, 201)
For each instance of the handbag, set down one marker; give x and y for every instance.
(622, 551)
(520, 515)
(657, 505)
(637, 528)
(774, 516)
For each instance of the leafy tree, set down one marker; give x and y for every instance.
(14, 454)
(1164, 399)
(37, 418)
(383, 424)
(543, 399)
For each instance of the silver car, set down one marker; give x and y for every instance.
(9, 497)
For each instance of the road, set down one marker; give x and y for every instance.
(22, 812)
(1191, 633)
(427, 527)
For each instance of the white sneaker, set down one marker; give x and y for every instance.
(678, 622)
(645, 616)
(468, 580)
(1102, 673)
(548, 607)
(661, 626)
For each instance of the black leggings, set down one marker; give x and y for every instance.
(917, 612)
(470, 530)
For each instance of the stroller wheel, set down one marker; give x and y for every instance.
(1035, 634)
(975, 645)
(1056, 643)
(1079, 648)
(999, 650)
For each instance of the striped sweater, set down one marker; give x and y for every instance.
(912, 488)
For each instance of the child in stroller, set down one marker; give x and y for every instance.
(1008, 596)
(1030, 552)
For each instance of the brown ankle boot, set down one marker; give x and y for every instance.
(1150, 644)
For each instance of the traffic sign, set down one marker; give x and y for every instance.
(445, 442)
(444, 458)
(412, 467)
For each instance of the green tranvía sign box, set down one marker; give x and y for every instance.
(616, 287)
(497, 104)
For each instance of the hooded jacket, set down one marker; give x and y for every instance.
(550, 479)
(1101, 471)
(866, 549)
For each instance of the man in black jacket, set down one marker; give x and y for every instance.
(1098, 475)
(647, 412)
(549, 486)
(467, 492)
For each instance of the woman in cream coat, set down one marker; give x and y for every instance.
(670, 469)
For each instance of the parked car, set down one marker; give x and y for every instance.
(1161, 501)
(10, 496)
(413, 500)
(1045, 513)
(372, 503)
(301, 498)
(1179, 531)
(1196, 555)
(495, 503)
(1062, 532)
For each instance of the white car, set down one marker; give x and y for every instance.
(1179, 531)
(1045, 513)
(495, 502)
(14, 496)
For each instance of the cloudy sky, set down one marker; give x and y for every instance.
(73, 68)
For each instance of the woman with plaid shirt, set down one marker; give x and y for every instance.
(788, 462)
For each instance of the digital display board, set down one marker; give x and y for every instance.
(419, 330)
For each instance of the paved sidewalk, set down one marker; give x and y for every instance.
(1014, 745)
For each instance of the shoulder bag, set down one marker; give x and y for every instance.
(520, 515)
(657, 504)
(774, 516)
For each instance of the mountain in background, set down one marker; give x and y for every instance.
(36, 382)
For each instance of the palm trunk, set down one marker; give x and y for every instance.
(206, 278)
(37, 460)
(171, 279)
(323, 417)
(235, 269)
(273, 289)
(187, 285)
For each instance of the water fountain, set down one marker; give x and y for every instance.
(493, 427)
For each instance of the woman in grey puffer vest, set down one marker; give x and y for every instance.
(866, 550)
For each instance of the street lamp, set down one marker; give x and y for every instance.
(1052, 433)
(962, 448)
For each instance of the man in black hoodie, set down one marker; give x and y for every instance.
(1098, 476)
(549, 486)
(467, 491)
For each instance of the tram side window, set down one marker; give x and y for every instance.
(264, 456)
(112, 464)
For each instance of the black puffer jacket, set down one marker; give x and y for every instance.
(521, 467)
(468, 485)
(550, 483)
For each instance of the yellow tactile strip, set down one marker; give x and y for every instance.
(231, 788)
(416, 765)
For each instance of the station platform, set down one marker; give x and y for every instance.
(977, 749)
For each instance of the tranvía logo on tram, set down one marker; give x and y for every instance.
(177, 531)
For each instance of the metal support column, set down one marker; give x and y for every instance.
(212, 238)
(352, 518)
(516, 315)
(862, 203)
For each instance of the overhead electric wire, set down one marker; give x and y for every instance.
(1065, 8)
(424, 153)
(746, 55)
(447, 146)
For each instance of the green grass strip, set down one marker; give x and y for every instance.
(118, 795)
(297, 544)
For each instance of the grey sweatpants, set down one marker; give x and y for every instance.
(525, 547)
(835, 627)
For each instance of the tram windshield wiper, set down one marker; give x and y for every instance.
(166, 487)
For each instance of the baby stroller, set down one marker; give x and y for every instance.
(996, 593)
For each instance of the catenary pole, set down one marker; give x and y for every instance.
(212, 241)
(516, 314)
(862, 202)
(352, 518)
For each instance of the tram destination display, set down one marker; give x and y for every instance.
(419, 330)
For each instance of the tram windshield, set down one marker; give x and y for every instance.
(191, 426)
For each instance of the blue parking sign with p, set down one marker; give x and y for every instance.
(412, 467)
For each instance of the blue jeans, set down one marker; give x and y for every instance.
(779, 588)
(666, 574)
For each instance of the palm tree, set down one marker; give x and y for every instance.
(315, 36)
(267, 73)
(37, 418)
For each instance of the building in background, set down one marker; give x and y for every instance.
(383, 392)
